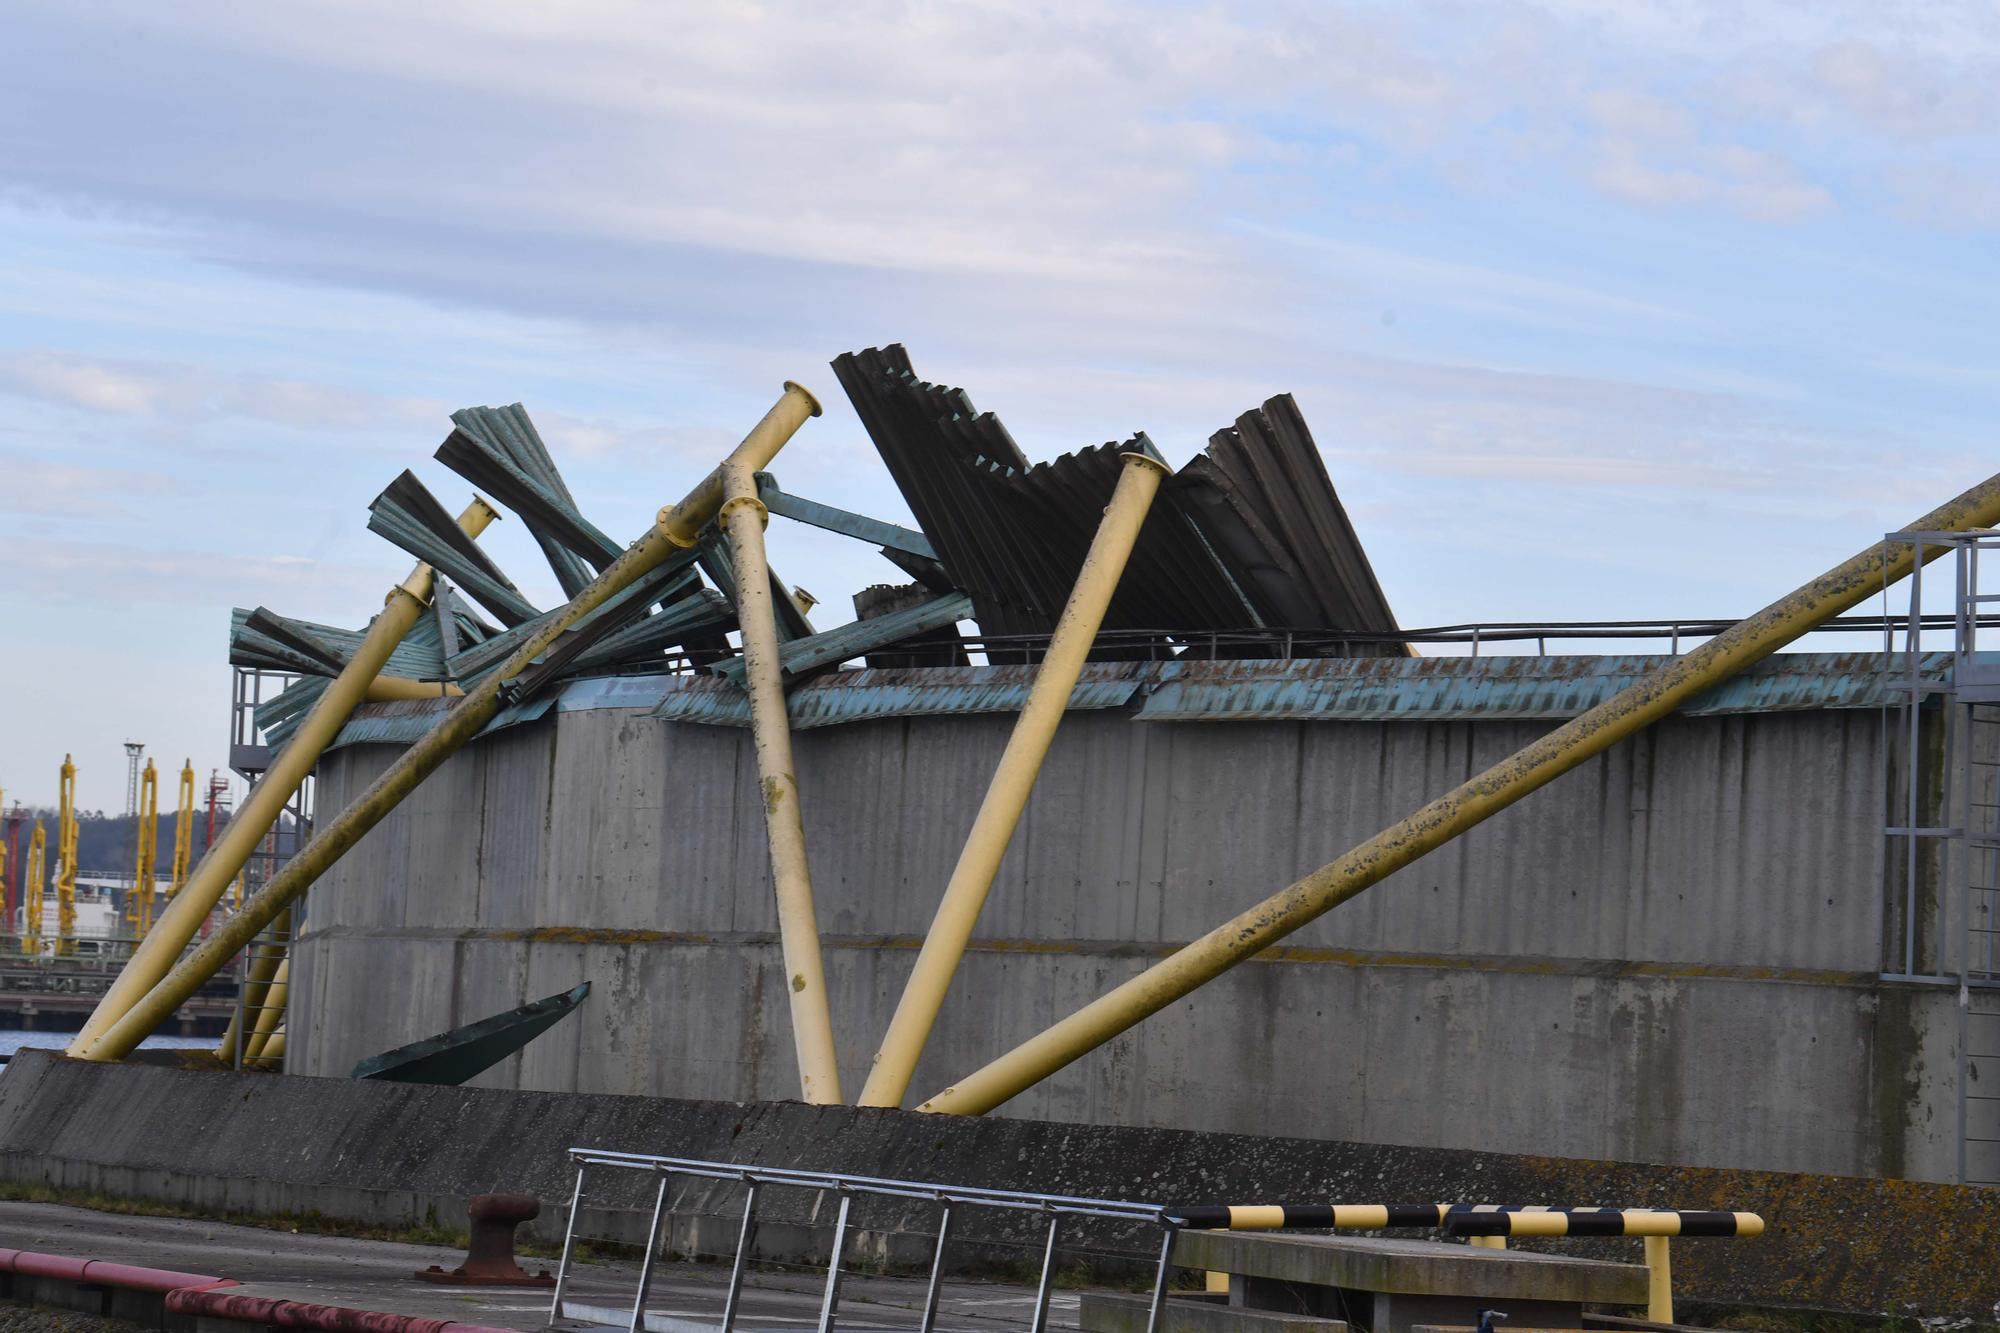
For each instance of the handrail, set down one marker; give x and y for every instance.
(1483, 1224)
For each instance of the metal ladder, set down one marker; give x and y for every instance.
(1942, 724)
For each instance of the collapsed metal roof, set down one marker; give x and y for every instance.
(1245, 545)
(1249, 535)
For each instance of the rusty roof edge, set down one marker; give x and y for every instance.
(1497, 688)
(1351, 689)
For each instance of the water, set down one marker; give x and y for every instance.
(11, 1042)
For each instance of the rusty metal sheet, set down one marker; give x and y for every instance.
(404, 721)
(1497, 688)
(856, 696)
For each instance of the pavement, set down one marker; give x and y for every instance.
(377, 1275)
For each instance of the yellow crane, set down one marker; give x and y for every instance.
(139, 905)
(34, 886)
(183, 831)
(66, 861)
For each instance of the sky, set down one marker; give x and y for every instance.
(1597, 311)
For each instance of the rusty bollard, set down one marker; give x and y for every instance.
(489, 1258)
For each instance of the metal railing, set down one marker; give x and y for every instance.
(1283, 643)
(949, 1198)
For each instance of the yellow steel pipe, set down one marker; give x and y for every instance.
(676, 529)
(742, 517)
(257, 978)
(1659, 1280)
(1007, 794)
(387, 689)
(1748, 641)
(270, 1013)
(273, 1056)
(265, 802)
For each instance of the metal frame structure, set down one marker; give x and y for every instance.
(1942, 829)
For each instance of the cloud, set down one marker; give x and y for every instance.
(109, 575)
(43, 489)
(1757, 185)
(175, 392)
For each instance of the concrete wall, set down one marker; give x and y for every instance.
(394, 1154)
(1668, 955)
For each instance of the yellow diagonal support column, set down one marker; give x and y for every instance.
(270, 1014)
(1839, 589)
(219, 865)
(743, 517)
(677, 529)
(1007, 795)
(257, 977)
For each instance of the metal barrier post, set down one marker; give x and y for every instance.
(831, 1300)
(937, 1272)
(652, 1252)
(1159, 1300)
(569, 1245)
(1659, 1281)
(743, 1237)
(1048, 1276)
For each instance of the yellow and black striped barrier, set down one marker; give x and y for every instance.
(1459, 1219)
(1310, 1216)
(1489, 1224)
(1600, 1222)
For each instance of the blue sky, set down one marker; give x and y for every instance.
(1597, 311)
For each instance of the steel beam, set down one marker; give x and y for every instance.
(1007, 795)
(743, 517)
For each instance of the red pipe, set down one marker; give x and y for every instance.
(104, 1273)
(298, 1314)
(200, 1294)
(134, 1278)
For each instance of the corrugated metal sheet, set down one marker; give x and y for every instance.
(405, 721)
(407, 514)
(858, 638)
(499, 450)
(1262, 497)
(1255, 538)
(856, 696)
(418, 656)
(1382, 690)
